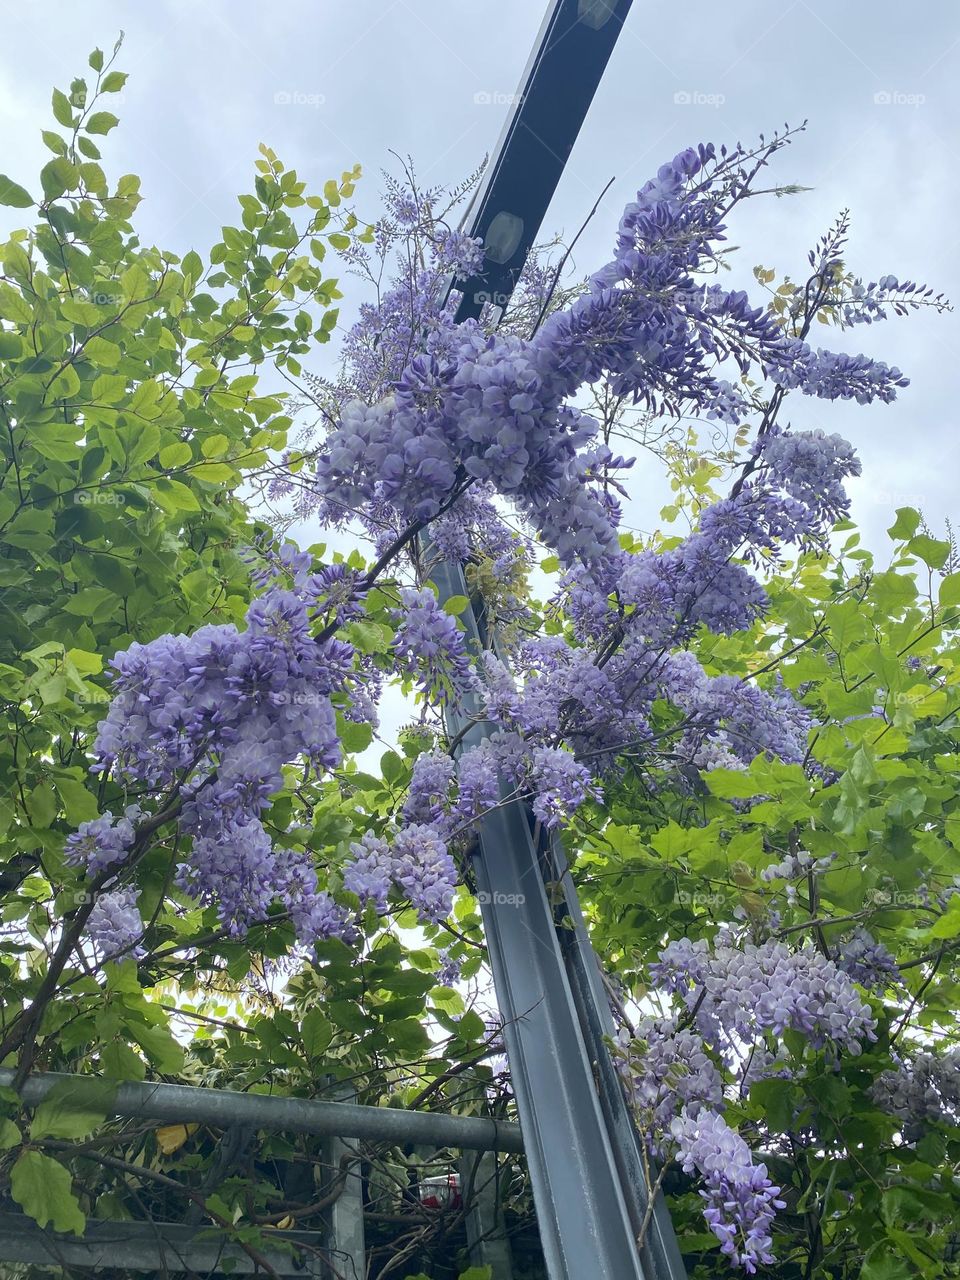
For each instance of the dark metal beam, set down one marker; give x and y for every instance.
(555, 91)
(586, 1162)
(587, 1228)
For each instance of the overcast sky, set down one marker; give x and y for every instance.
(329, 85)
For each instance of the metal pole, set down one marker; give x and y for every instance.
(586, 1162)
(159, 1248)
(156, 1248)
(587, 1227)
(224, 1108)
(345, 1234)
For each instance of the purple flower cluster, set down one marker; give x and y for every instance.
(740, 1200)
(810, 466)
(218, 714)
(739, 992)
(833, 375)
(498, 409)
(922, 1088)
(448, 975)
(560, 784)
(794, 865)
(429, 798)
(865, 303)
(431, 647)
(417, 863)
(745, 718)
(477, 780)
(669, 1070)
(425, 872)
(114, 927)
(368, 873)
(868, 962)
(102, 842)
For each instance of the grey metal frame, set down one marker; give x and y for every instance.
(338, 1251)
(586, 1163)
(176, 1103)
(583, 1152)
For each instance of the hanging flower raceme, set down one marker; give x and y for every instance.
(740, 1200)
(737, 992)
(214, 717)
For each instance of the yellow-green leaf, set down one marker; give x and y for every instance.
(43, 1189)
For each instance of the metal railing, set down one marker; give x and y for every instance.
(338, 1251)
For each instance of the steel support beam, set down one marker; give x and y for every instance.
(661, 1250)
(586, 1224)
(586, 1163)
(346, 1245)
(565, 67)
(164, 1248)
(486, 1234)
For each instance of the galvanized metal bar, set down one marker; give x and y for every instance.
(344, 1219)
(486, 1234)
(661, 1249)
(165, 1248)
(565, 67)
(223, 1107)
(585, 1162)
(586, 1227)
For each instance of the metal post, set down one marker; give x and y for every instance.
(177, 1103)
(486, 1236)
(661, 1250)
(586, 1163)
(153, 1247)
(586, 1226)
(344, 1218)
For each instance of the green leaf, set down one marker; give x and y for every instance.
(14, 306)
(731, 784)
(113, 82)
(950, 590)
(192, 266)
(948, 926)
(905, 525)
(932, 551)
(214, 472)
(72, 1109)
(79, 804)
(316, 1032)
(43, 1188)
(65, 385)
(175, 455)
(96, 60)
(883, 1262)
(58, 176)
(356, 737)
(175, 497)
(476, 1273)
(62, 110)
(780, 1099)
(159, 1046)
(42, 805)
(101, 122)
(9, 1134)
(11, 193)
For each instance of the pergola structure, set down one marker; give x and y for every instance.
(585, 1157)
(586, 1163)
